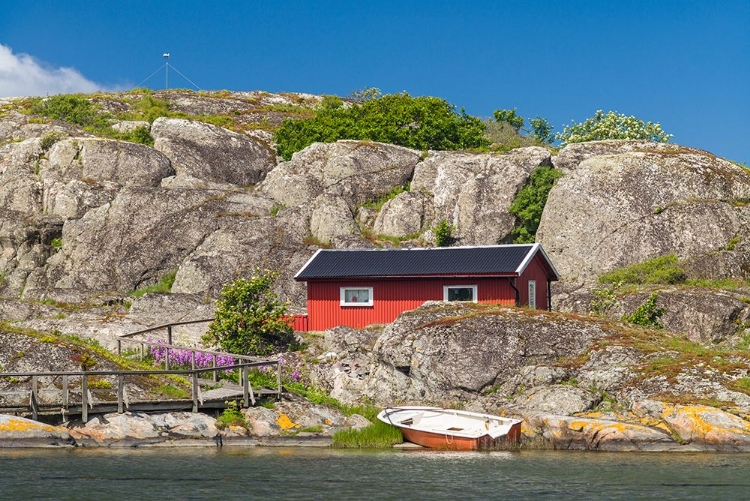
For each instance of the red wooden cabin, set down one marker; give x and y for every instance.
(359, 287)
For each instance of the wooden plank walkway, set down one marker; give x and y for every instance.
(79, 399)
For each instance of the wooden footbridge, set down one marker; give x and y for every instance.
(74, 393)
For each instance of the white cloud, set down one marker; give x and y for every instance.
(23, 75)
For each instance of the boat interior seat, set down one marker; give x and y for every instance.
(416, 418)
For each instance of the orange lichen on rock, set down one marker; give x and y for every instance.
(13, 424)
(704, 424)
(285, 423)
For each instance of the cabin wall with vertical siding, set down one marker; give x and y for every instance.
(391, 297)
(535, 270)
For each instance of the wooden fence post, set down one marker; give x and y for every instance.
(84, 398)
(245, 386)
(65, 392)
(33, 402)
(120, 391)
(195, 391)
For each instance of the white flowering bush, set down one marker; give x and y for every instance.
(612, 125)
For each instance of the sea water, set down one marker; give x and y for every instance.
(304, 473)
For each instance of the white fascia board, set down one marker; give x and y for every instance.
(307, 263)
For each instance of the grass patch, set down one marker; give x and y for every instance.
(99, 384)
(164, 285)
(378, 435)
(718, 283)
(311, 240)
(659, 270)
(172, 391)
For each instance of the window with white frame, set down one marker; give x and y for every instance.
(460, 293)
(356, 296)
(532, 294)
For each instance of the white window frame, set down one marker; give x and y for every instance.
(343, 296)
(532, 294)
(473, 292)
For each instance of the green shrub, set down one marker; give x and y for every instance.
(541, 129)
(612, 126)
(509, 117)
(659, 270)
(149, 108)
(100, 384)
(49, 139)
(140, 135)
(56, 242)
(647, 314)
(72, 108)
(604, 299)
(422, 123)
(443, 232)
(231, 416)
(249, 318)
(530, 201)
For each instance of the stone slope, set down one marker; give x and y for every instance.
(621, 203)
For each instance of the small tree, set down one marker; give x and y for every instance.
(542, 130)
(612, 126)
(443, 232)
(249, 318)
(529, 203)
(647, 314)
(509, 117)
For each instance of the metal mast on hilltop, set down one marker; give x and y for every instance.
(166, 74)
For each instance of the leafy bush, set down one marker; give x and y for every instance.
(149, 108)
(231, 416)
(530, 201)
(612, 126)
(72, 108)
(659, 270)
(647, 314)
(421, 123)
(542, 130)
(443, 232)
(249, 318)
(509, 117)
(604, 299)
(49, 139)
(138, 135)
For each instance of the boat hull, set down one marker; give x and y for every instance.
(453, 429)
(453, 443)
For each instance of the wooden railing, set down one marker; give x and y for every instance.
(248, 395)
(243, 363)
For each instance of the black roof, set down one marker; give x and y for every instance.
(493, 260)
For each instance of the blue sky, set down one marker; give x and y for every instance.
(685, 64)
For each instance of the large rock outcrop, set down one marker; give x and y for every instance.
(209, 152)
(647, 199)
(441, 352)
(355, 171)
(473, 192)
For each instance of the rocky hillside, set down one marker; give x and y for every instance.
(86, 219)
